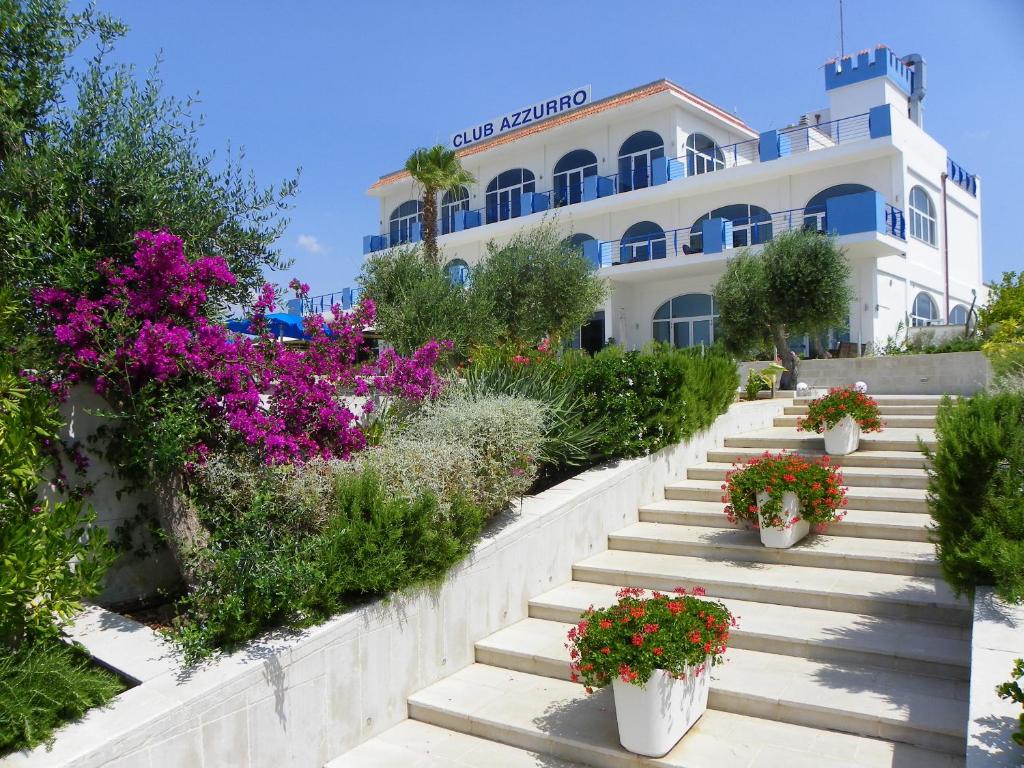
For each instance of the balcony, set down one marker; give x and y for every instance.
(346, 298)
(863, 213)
(771, 145)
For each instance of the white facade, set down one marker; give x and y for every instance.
(917, 263)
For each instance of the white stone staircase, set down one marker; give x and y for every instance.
(850, 650)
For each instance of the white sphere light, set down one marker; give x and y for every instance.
(861, 387)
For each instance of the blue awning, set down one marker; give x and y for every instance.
(281, 324)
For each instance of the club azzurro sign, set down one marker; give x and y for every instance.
(569, 100)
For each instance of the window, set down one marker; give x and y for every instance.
(569, 174)
(703, 155)
(687, 320)
(636, 155)
(643, 241)
(504, 193)
(922, 216)
(814, 211)
(751, 225)
(402, 219)
(451, 203)
(925, 311)
(958, 315)
(457, 271)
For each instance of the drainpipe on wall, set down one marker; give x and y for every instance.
(945, 243)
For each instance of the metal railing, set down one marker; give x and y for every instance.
(808, 138)
(346, 298)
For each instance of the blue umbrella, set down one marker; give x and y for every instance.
(281, 324)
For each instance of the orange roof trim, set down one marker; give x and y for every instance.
(602, 105)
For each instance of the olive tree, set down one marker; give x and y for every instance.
(537, 284)
(799, 283)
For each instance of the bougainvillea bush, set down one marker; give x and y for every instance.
(680, 633)
(153, 333)
(817, 484)
(825, 412)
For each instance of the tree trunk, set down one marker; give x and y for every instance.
(185, 534)
(818, 350)
(786, 357)
(429, 224)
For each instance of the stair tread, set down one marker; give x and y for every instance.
(421, 745)
(687, 571)
(783, 436)
(854, 471)
(861, 457)
(833, 546)
(538, 711)
(711, 511)
(852, 492)
(544, 639)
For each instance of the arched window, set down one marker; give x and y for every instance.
(451, 203)
(579, 239)
(643, 241)
(569, 174)
(922, 216)
(687, 320)
(958, 315)
(636, 155)
(504, 192)
(457, 271)
(925, 311)
(814, 211)
(703, 155)
(751, 225)
(402, 219)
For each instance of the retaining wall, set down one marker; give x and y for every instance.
(954, 373)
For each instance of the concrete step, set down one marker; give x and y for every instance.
(908, 558)
(558, 718)
(860, 497)
(412, 744)
(888, 421)
(832, 636)
(884, 477)
(914, 598)
(885, 410)
(885, 400)
(861, 458)
(538, 647)
(861, 523)
(778, 438)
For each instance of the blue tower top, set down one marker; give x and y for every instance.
(884, 63)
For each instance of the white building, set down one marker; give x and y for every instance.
(660, 188)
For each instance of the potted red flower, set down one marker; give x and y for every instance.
(656, 652)
(783, 495)
(842, 415)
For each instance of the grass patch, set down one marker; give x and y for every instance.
(45, 684)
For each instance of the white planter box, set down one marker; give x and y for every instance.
(843, 438)
(784, 538)
(654, 718)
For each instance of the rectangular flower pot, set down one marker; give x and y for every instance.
(784, 538)
(654, 718)
(843, 438)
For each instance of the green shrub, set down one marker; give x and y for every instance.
(570, 434)
(44, 684)
(976, 493)
(647, 400)
(1011, 691)
(261, 570)
(481, 447)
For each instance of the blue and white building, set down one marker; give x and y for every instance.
(659, 188)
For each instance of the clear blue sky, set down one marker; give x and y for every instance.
(346, 89)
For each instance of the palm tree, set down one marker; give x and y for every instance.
(437, 170)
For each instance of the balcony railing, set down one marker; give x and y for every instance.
(851, 213)
(771, 145)
(346, 298)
